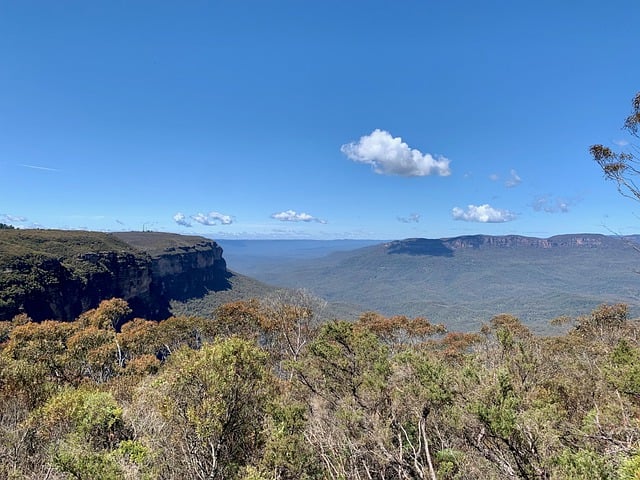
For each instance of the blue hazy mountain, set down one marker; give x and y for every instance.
(461, 281)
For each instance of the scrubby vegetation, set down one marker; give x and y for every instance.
(158, 243)
(263, 390)
(55, 244)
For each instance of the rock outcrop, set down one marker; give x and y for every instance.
(148, 269)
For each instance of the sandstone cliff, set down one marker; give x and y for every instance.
(512, 241)
(446, 246)
(51, 274)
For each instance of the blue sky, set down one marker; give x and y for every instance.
(315, 119)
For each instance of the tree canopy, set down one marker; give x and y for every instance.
(623, 166)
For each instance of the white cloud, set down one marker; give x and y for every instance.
(212, 218)
(7, 217)
(546, 203)
(621, 143)
(293, 216)
(514, 179)
(181, 219)
(483, 214)
(391, 156)
(413, 218)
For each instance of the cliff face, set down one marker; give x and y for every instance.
(146, 269)
(447, 246)
(586, 240)
(187, 272)
(111, 274)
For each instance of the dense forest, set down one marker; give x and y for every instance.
(263, 390)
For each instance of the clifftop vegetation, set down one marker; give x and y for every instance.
(69, 245)
(159, 243)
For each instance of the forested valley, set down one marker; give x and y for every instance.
(263, 390)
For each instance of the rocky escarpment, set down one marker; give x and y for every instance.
(447, 246)
(588, 240)
(50, 274)
(181, 266)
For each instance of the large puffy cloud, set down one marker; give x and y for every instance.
(293, 216)
(391, 156)
(181, 219)
(212, 218)
(483, 214)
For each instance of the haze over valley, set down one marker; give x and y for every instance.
(461, 282)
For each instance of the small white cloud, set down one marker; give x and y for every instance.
(621, 143)
(7, 217)
(494, 177)
(483, 214)
(548, 204)
(212, 218)
(293, 216)
(181, 219)
(391, 156)
(514, 180)
(413, 218)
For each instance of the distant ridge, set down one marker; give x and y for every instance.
(445, 246)
(463, 281)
